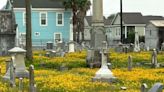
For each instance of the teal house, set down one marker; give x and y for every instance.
(50, 21)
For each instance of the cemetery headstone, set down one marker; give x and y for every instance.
(31, 78)
(162, 47)
(144, 87)
(157, 87)
(104, 74)
(119, 48)
(7, 31)
(12, 74)
(18, 55)
(142, 46)
(131, 47)
(136, 43)
(20, 84)
(130, 63)
(154, 59)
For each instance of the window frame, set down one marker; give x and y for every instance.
(46, 19)
(57, 24)
(61, 40)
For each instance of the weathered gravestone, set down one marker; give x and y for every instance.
(142, 46)
(157, 87)
(130, 63)
(18, 55)
(136, 43)
(7, 31)
(154, 62)
(104, 74)
(93, 58)
(144, 87)
(119, 48)
(31, 79)
(20, 84)
(162, 47)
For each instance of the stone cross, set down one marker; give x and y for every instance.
(31, 78)
(104, 74)
(144, 87)
(130, 63)
(154, 58)
(136, 43)
(157, 87)
(20, 84)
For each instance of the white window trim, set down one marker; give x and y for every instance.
(40, 18)
(60, 36)
(57, 19)
(24, 20)
(38, 33)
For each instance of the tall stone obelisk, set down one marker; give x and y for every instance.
(98, 31)
(99, 43)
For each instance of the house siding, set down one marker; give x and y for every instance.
(46, 32)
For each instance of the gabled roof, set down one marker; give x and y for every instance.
(158, 23)
(147, 19)
(39, 3)
(130, 18)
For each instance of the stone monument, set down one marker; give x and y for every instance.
(136, 43)
(18, 55)
(71, 43)
(104, 74)
(97, 33)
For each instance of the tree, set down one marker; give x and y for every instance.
(79, 9)
(29, 54)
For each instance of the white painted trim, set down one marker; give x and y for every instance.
(60, 36)
(40, 18)
(40, 9)
(24, 20)
(57, 19)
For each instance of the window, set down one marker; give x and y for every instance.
(43, 19)
(24, 18)
(58, 37)
(37, 33)
(60, 19)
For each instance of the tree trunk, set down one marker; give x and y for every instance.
(29, 54)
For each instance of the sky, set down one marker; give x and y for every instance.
(146, 7)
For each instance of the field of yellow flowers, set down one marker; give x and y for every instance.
(78, 78)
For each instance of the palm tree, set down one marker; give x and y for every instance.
(79, 9)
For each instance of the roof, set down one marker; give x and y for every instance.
(132, 18)
(158, 23)
(147, 19)
(106, 21)
(39, 3)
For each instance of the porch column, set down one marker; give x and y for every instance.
(126, 35)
